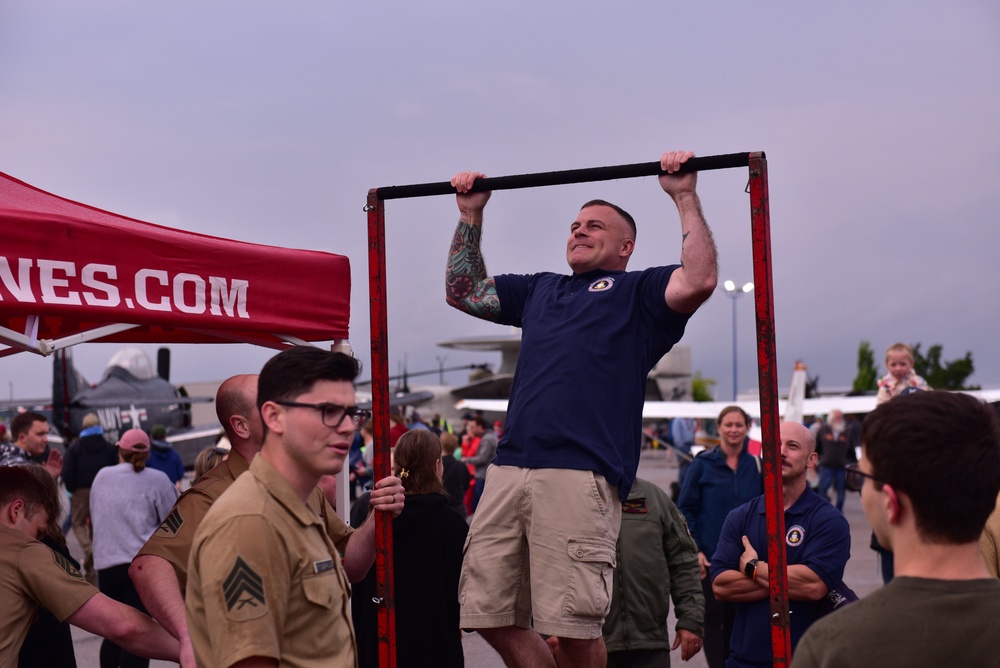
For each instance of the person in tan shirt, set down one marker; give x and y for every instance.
(32, 576)
(268, 576)
(159, 570)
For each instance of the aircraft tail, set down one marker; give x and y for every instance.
(66, 382)
(163, 363)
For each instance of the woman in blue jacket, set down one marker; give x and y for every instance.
(719, 480)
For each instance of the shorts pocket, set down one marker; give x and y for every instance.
(588, 589)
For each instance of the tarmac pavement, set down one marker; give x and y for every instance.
(862, 575)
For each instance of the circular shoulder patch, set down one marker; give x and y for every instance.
(601, 284)
(794, 535)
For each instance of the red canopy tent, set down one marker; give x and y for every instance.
(71, 273)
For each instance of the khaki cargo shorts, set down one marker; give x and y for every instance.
(541, 552)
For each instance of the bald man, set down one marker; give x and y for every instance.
(817, 544)
(159, 570)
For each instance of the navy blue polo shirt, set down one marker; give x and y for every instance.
(817, 535)
(588, 342)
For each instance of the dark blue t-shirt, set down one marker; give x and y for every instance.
(817, 535)
(588, 342)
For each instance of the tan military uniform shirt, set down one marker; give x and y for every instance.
(33, 576)
(172, 541)
(265, 578)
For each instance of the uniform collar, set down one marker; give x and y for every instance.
(237, 463)
(281, 491)
(637, 492)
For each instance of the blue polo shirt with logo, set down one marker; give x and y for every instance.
(588, 342)
(817, 535)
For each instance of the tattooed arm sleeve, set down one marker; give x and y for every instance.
(467, 287)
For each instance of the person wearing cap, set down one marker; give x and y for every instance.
(87, 455)
(163, 457)
(128, 502)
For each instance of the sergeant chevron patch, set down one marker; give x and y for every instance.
(66, 565)
(244, 592)
(172, 523)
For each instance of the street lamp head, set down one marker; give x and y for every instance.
(735, 293)
(730, 287)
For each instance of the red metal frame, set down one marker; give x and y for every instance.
(380, 423)
(768, 382)
(766, 362)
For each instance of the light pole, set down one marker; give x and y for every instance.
(735, 293)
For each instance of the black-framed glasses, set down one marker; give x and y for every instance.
(854, 471)
(333, 415)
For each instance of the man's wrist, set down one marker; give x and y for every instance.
(471, 217)
(750, 569)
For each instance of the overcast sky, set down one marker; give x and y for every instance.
(269, 121)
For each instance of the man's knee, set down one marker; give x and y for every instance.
(503, 635)
(578, 652)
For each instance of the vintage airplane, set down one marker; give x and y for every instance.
(131, 394)
(427, 399)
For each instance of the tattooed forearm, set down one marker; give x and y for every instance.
(467, 287)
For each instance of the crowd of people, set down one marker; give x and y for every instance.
(537, 534)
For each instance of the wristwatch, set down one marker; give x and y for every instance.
(751, 568)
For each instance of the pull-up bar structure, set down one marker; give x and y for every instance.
(766, 362)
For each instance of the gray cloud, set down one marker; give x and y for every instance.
(268, 123)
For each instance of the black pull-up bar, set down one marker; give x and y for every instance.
(564, 177)
(767, 371)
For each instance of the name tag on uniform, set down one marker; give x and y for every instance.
(323, 566)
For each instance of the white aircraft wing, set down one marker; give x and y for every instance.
(666, 410)
(653, 410)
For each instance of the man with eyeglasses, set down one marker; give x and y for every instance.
(817, 547)
(268, 577)
(931, 463)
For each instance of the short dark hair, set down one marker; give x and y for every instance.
(22, 423)
(620, 211)
(54, 509)
(942, 449)
(37, 491)
(413, 462)
(294, 371)
(481, 422)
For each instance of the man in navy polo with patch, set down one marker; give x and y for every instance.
(541, 548)
(817, 545)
